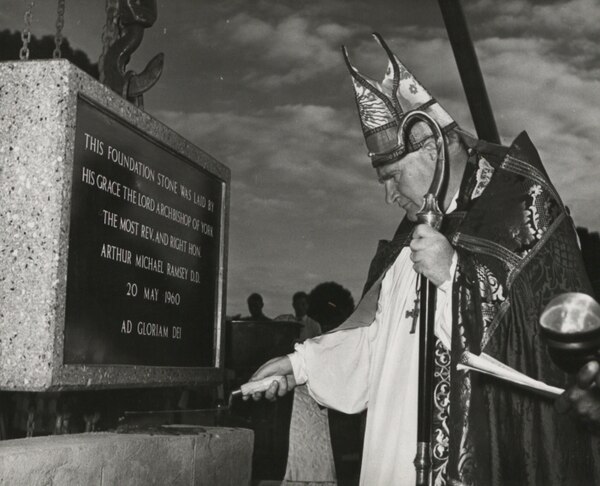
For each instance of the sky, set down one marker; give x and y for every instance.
(262, 87)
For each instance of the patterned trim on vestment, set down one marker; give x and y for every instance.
(492, 298)
(514, 272)
(483, 176)
(462, 465)
(486, 247)
(441, 411)
(487, 333)
(517, 166)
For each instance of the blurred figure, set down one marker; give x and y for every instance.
(583, 397)
(310, 328)
(255, 307)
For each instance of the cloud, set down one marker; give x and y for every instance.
(290, 150)
(284, 51)
(556, 19)
(570, 27)
(289, 137)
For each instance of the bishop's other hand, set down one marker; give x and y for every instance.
(431, 253)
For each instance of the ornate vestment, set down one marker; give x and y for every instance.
(517, 249)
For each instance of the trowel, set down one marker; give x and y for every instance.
(220, 415)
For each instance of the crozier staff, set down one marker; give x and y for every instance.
(507, 246)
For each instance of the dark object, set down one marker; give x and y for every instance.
(570, 324)
(431, 215)
(469, 70)
(255, 307)
(177, 422)
(590, 251)
(138, 292)
(330, 304)
(132, 18)
(249, 344)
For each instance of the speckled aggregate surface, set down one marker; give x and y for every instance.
(38, 101)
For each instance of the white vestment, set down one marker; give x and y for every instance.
(375, 367)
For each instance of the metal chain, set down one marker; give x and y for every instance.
(26, 33)
(60, 23)
(109, 32)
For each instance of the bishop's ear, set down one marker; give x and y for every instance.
(430, 148)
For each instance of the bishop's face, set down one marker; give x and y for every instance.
(407, 180)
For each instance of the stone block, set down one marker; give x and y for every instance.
(182, 456)
(38, 108)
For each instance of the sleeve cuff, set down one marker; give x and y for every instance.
(298, 366)
(447, 285)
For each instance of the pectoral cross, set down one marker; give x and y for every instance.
(414, 313)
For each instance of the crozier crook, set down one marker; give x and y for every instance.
(430, 212)
(431, 215)
(132, 18)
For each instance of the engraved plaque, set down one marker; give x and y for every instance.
(144, 250)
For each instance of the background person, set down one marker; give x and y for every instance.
(310, 328)
(255, 307)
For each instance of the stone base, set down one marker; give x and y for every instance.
(195, 456)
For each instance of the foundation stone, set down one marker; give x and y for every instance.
(113, 240)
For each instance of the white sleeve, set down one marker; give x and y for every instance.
(298, 367)
(335, 368)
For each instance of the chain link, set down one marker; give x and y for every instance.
(26, 33)
(60, 23)
(109, 32)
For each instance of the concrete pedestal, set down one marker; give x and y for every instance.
(198, 457)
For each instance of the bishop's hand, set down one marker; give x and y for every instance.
(281, 369)
(431, 254)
